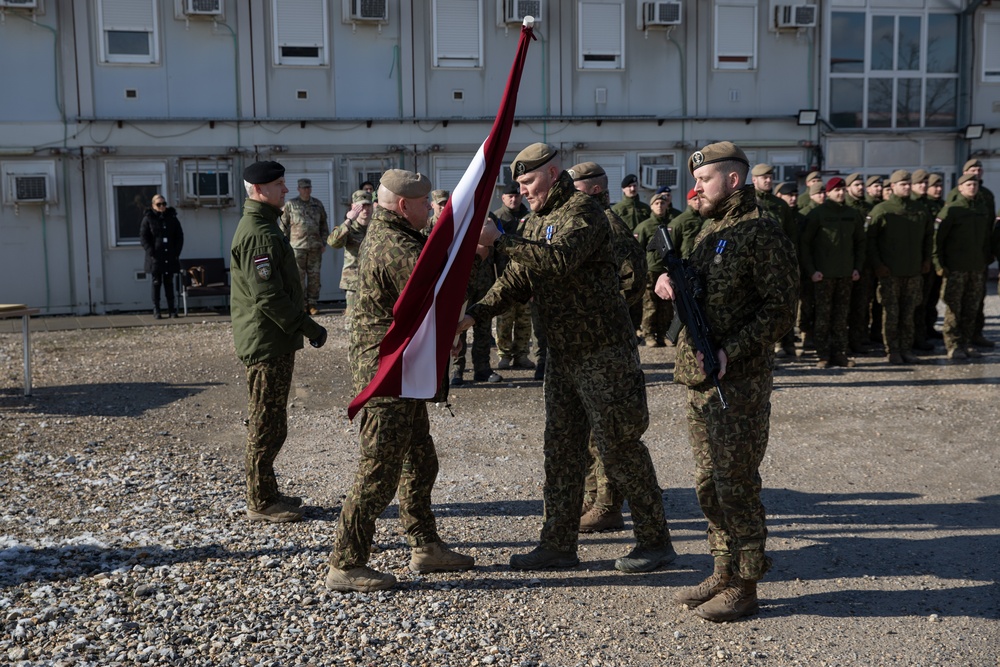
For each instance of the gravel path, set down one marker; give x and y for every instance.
(123, 538)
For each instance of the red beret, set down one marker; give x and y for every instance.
(835, 182)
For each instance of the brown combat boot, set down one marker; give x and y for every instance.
(736, 600)
(436, 557)
(597, 520)
(694, 596)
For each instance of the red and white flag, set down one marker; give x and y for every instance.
(413, 356)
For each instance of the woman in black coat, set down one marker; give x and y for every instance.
(162, 238)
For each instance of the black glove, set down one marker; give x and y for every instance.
(320, 340)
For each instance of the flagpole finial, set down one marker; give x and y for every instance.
(529, 22)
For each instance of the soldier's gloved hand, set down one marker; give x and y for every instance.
(320, 340)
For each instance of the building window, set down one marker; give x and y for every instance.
(458, 33)
(300, 32)
(991, 47)
(735, 36)
(128, 31)
(131, 186)
(890, 71)
(602, 35)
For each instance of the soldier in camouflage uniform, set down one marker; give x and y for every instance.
(513, 327)
(594, 385)
(602, 502)
(899, 249)
(832, 249)
(304, 223)
(750, 278)
(656, 312)
(397, 450)
(482, 277)
(632, 211)
(349, 235)
(932, 285)
(268, 322)
(918, 194)
(961, 253)
(438, 199)
(763, 183)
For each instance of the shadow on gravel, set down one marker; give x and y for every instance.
(104, 399)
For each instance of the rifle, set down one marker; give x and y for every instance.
(688, 312)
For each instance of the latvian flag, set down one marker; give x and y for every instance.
(413, 356)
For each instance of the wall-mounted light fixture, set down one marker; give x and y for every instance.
(808, 117)
(974, 132)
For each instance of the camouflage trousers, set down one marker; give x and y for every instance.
(482, 336)
(600, 395)
(351, 296)
(962, 293)
(397, 451)
(728, 446)
(860, 310)
(656, 312)
(833, 296)
(899, 296)
(538, 327)
(598, 490)
(309, 261)
(514, 332)
(268, 384)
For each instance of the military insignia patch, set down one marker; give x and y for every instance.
(262, 263)
(697, 158)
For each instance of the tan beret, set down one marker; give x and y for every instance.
(406, 184)
(900, 176)
(813, 175)
(856, 176)
(658, 196)
(816, 188)
(872, 180)
(919, 176)
(717, 152)
(935, 179)
(971, 163)
(585, 170)
(439, 196)
(761, 169)
(787, 188)
(965, 178)
(361, 197)
(531, 158)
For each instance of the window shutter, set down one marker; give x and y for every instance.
(991, 48)
(457, 26)
(601, 34)
(129, 15)
(299, 23)
(735, 36)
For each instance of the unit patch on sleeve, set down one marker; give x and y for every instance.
(262, 263)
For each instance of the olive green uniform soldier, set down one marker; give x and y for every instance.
(804, 202)
(631, 209)
(602, 502)
(687, 225)
(961, 253)
(397, 451)
(594, 385)
(762, 176)
(932, 286)
(832, 249)
(862, 292)
(304, 222)
(268, 320)
(349, 235)
(899, 249)
(513, 328)
(750, 277)
(928, 209)
(656, 312)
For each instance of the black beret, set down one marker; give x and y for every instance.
(787, 188)
(263, 172)
(511, 188)
(629, 180)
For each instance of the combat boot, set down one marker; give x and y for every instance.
(597, 520)
(693, 596)
(541, 558)
(895, 359)
(524, 362)
(909, 358)
(979, 340)
(362, 579)
(823, 363)
(646, 559)
(957, 354)
(736, 600)
(973, 353)
(840, 359)
(436, 557)
(504, 363)
(277, 512)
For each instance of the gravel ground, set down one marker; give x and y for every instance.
(123, 537)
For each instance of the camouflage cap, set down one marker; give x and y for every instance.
(872, 180)
(305, 183)
(263, 172)
(935, 179)
(814, 176)
(965, 178)
(717, 152)
(851, 178)
(971, 163)
(361, 197)
(585, 170)
(531, 158)
(919, 176)
(834, 183)
(762, 169)
(787, 188)
(406, 184)
(816, 188)
(440, 196)
(899, 176)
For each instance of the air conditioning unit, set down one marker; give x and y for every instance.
(661, 13)
(515, 10)
(19, 4)
(795, 16)
(370, 10)
(203, 7)
(655, 176)
(29, 182)
(30, 188)
(208, 182)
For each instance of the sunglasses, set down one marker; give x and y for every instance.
(160, 204)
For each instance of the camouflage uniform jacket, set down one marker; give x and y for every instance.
(632, 266)
(644, 233)
(266, 294)
(566, 262)
(748, 268)
(304, 223)
(781, 212)
(833, 241)
(388, 255)
(962, 237)
(513, 222)
(900, 236)
(685, 229)
(632, 211)
(348, 236)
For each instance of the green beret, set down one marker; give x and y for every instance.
(935, 179)
(439, 196)
(813, 175)
(899, 176)
(872, 180)
(856, 176)
(260, 173)
(361, 197)
(965, 178)
(585, 170)
(762, 169)
(971, 163)
(718, 152)
(406, 184)
(787, 188)
(919, 176)
(531, 158)
(816, 188)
